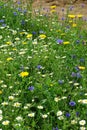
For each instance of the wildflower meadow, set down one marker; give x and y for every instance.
(43, 68)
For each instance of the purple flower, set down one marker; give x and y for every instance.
(55, 128)
(67, 114)
(73, 74)
(72, 103)
(60, 81)
(59, 41)
(31, 88)
(78, 75)
(39, 66)
(62, 9)
(15, 13)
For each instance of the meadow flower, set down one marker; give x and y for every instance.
(31, 114)
(9, 43)
(67, 114)
(55, 128)
(29, 36)
(84, 101)
(40, 107)
(71, 16)
(4, 103)
(60, 117)
(17, 104)
(53, 6)
(19, 118)
(82, 128)
(24, 74)
(72, 103)
(73, 122)
(9, 58)
(74, 25)
(42, 36)
(31, 88)
(60, 81)
(59, 41)
(59, 113)
(79, 15)
(56, 99)
(82, 122)
(11, 98)
(81, 67)
(6, 122)
(66, 42)
(44, 116)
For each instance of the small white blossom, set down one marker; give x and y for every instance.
(44, 116)
(31, 114)
(59, 113)
(6, 122)
(82, 122)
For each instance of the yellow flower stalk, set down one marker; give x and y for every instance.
(24, 74)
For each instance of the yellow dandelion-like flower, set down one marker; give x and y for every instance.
(74, 25)
(24, 74)
(79, 15)
(81, 67)
(53, 11)
(71, 16)
(9, 59)
(66, 42)
(53, 7)
(14, 49)
(9, 43)
(42, 36)
(29, 36)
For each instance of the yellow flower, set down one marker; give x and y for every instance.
(81, 67)
(53, 10)
(0, 91)
(53, 6)
(71, 16)
(9, 43)
(74, 25)
(29, 36)
(42, 36)
(66, 42)
(9, 59)
(79, 15)
(24, 74)
(14, 49)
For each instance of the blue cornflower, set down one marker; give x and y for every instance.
(67, 114)
(82, 60)
(60, 81)
(78, 75)
(59, 41)
(31, 88)
(15, 13)
(73, 74)
(55, 128)
(2, 21)
(39, 66)
(72, 103)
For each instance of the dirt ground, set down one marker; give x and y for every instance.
(75, 7)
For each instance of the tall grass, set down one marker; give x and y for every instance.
(43, 74)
